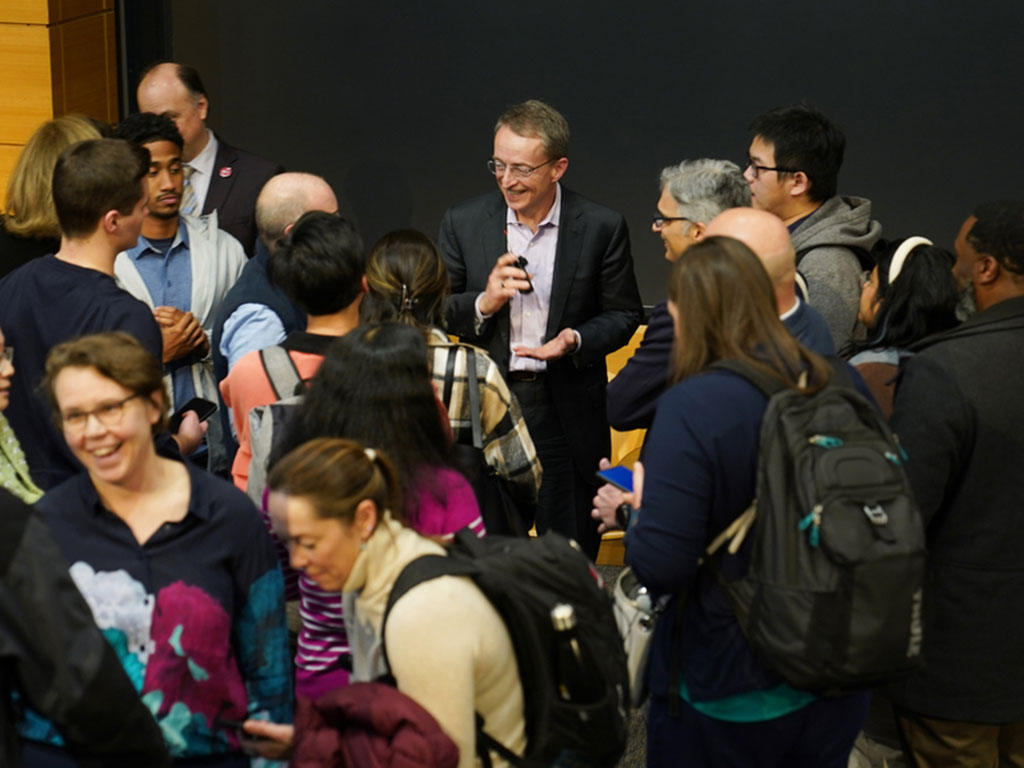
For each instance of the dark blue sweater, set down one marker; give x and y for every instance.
(701, 464)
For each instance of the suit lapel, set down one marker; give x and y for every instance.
(220, 186)
(567, 256)
(492, 245)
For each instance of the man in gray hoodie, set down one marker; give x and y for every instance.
(792, 168)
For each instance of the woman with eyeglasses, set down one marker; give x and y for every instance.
(14, 475)
(909, 295)
(176, 565)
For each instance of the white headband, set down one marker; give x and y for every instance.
(898, 258)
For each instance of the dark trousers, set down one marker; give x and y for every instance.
(819, 735)
(567, 490)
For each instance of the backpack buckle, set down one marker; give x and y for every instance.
(876, 514)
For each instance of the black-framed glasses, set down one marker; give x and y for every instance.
(660, 221)
(758, 168)
(107, 414)
(518, 171)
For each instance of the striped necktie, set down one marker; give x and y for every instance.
(189, 203)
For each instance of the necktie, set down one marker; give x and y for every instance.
(189, 203)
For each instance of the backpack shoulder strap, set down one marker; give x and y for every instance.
(281, 372)
(472, 388)
(766, 384)
(416, 572)
(473, 391)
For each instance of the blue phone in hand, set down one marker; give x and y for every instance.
(620, 477)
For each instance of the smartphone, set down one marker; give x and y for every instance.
(204, 409)
(620, 477)
(522, 263)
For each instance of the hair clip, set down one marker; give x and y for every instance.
(370, 454)
(407, 301)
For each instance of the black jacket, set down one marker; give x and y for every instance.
(52, 653)
(959, 412)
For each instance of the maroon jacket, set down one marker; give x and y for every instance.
(369, 725)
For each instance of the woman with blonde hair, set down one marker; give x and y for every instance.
(29, 222)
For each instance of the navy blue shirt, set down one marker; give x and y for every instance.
(195, 614)
(43, 303)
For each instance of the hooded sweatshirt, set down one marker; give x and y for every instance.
(832, 269)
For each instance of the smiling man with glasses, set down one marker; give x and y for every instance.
(792, 166)
(550, 325)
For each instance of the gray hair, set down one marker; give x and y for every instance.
(704, 188)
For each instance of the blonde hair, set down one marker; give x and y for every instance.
(30, 211)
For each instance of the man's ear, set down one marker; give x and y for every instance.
(987, 270)
(698, 231)
(110, 221)
(202, 106)
(559, 167)
(800, 184)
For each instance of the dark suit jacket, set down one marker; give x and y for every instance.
(236, 182)
(593, 291)
(634, 392)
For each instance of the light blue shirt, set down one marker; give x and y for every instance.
(168, 279)
(251, 326)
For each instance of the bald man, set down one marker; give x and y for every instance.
(218, 177)
(255, 314)
(768, 237)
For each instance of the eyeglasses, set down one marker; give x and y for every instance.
(518, 171)
(660, 221)
(7, 353)
(108, 414)
(758, 168)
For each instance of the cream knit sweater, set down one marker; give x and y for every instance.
(448, 647)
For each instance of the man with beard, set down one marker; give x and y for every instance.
(182, 266)
(959, 414)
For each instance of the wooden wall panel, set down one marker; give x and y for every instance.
(25, 11)
(26, 99)
(8, 156)
(61, 10)
(84, 66)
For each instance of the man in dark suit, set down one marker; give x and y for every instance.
(217, 176)
(543, 279)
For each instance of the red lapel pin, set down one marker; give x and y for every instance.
(225, 171)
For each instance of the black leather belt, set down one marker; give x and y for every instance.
(525, 375)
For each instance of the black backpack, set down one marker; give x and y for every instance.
(832, 598)
(524, 579)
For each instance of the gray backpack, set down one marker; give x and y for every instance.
(268, 423)
(832, 598)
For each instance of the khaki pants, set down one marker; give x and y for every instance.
(931, 743)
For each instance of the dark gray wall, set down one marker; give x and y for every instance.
(394, 102)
